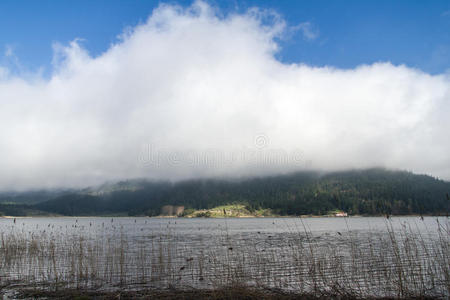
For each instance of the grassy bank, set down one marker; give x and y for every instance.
(226, 293)
(228, 211)
(241, 211)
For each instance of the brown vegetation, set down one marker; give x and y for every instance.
(399, 264)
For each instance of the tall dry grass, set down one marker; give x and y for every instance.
(392, 263)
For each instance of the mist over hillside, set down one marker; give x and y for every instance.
(366, 192)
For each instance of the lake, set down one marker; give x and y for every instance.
(362, 255)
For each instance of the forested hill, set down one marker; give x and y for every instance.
(367, 192)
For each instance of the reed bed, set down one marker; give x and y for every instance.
(398, 263)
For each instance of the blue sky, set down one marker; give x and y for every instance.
(343, 34)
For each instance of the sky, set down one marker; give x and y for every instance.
(336, 33)
(94, 91)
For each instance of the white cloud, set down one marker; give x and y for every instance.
(9, 51)
(308, 31)
(188, 85)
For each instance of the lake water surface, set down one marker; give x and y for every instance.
(363, 255)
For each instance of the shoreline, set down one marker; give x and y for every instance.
(238, 292)
(220, 217)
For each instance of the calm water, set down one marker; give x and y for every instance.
(199, 234)
(364, 254)
(139, 227)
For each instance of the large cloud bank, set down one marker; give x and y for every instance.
(191, 94)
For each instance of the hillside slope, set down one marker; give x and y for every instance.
(371, 192)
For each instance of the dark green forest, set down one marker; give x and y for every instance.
(357, 192)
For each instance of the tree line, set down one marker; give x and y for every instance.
(362, 192)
